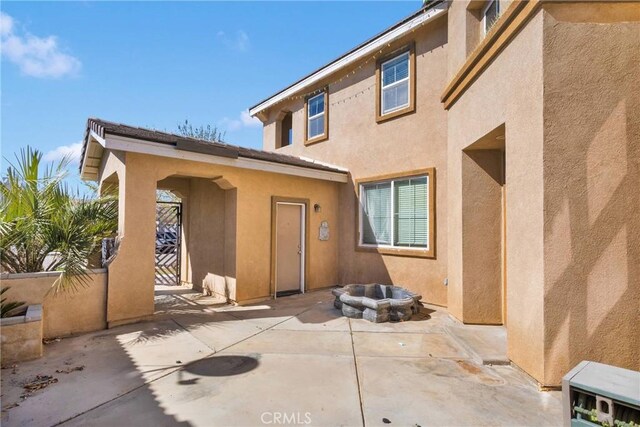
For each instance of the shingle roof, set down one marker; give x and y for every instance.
(102, 127)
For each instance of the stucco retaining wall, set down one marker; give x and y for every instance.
(67, 313)
(21, 336)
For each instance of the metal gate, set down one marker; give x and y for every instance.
(168, 238)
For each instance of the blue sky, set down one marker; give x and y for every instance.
(155, 64)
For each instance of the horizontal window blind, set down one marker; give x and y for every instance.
(395, 70)
(396, 213)
(376, 221)
(411, 212)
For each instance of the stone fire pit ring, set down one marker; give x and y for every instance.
(376, 303)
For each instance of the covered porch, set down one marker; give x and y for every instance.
(230, 200)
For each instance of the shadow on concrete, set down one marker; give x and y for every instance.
(222, 366)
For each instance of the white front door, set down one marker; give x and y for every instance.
(289, 247)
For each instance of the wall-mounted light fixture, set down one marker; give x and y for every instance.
(317, 208)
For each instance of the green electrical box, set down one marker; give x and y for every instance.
(595, 394)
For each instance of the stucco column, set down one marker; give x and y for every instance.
(131, 274)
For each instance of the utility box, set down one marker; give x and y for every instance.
(595, 394)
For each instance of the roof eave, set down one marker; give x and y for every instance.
(99, 139)
(393, 33)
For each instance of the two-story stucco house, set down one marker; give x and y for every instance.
(482, 153)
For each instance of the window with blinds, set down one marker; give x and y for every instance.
(395, 213)
(411, 212)
(395, 83)
(377, 214)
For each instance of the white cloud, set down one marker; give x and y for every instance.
(239, 41)
(71, 150)
(249, 121)
(243, 121)
(6, 24)
(35, 56)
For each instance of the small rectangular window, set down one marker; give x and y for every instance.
(396, 213)
(395, 83)
(316, 117)
(490, 14)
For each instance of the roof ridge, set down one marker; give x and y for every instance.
(163, 137)
(98, 120)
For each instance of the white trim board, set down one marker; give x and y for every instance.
(354, 56)
(121, 143)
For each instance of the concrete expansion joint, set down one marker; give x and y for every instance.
(355, 364)
(177, 368)
(467, 348)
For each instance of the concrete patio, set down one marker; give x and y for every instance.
(290, 361)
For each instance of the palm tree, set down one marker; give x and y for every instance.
(41, 216)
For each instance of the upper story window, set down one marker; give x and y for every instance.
(396, 85)
(396, 214)
(316, 108)
(490, 14)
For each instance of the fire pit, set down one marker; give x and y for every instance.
(376, 303)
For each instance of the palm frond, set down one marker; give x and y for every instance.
(41, 219)
(8, 308)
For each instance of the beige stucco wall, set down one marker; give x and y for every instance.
(205, 239)
(131, 273)
(566, 90)
(508, 92)
(465, 31)
(253, 236)
(482, 178)
(66, 313)
(591, 182)
(370, 149)
(204, 246)
(20, 342)
(229, 231)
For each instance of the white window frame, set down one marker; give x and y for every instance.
(391, 214)
(309, 118)
(484, 14)
(396, 83)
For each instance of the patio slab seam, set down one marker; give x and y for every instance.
(355, 364)
(477, 357)
(196, 338)
(176, 369)
(144, 384)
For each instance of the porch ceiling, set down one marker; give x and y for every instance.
(101, 135)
